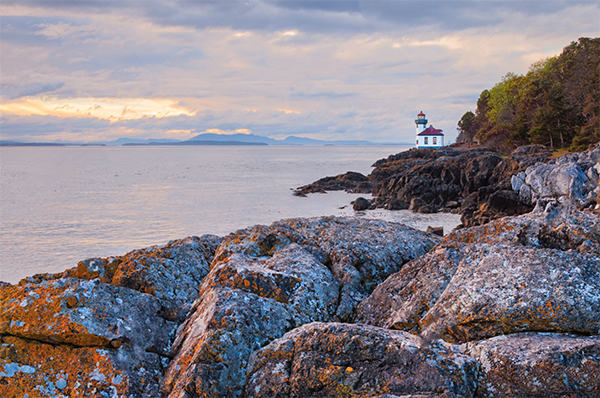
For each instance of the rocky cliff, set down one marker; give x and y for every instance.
(323, 307)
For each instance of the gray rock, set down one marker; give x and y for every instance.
(266, 281)
(518, 180)
(172, 272)
(531, 365)
(247, 302)
(360, 253)
(496, 279)
(571, 176)
(334, 359)
(88, 332)
(525, 194)
(361, 204)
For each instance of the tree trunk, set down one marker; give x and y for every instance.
(562, 141)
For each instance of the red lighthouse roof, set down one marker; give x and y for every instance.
(431, 131)
(421, 114)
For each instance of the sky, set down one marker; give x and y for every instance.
(98, 70)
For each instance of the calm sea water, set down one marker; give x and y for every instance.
(60, 205)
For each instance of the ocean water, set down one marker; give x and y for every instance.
(60, 205)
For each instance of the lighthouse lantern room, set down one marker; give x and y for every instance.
(428, 137)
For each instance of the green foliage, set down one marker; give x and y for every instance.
(467, 128)
(557, 103)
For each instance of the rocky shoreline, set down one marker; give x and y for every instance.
(477, 183)
(333, 307)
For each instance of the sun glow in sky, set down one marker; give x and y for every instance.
(113, 109)
(333, 70)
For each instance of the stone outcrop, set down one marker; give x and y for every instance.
(575, 176)
(266, 281)
(246, 303)
(341, 360)
(531, 365)
(351, 181)
(73, 336)
(512, 275)
(534, 279)
(103, 328)
(476, 182)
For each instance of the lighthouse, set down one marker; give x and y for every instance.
(428, 137)
(421, 123)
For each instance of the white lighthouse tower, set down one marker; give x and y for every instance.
(421, 123)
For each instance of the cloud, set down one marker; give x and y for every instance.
(324, 69)
(312, 16)
(18, 91)
(113, 109)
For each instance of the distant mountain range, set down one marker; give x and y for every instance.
(208, 139)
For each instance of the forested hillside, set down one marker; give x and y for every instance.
(557, 104)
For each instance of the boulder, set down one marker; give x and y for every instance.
(439, 231)
(104, 327)
(416, 203)
(351, 181)
(33, 369)
(360, 253)
(361, 204)
(572, 176)
(172, 273)
(266, 281)
(397, 204)
(244, 305)
(496, 279)
(532, 365)
(342, 360)
(76, 336)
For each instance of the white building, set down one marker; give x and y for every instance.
(428, 137)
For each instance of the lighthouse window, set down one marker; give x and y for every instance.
(426, 139)
(434, 140)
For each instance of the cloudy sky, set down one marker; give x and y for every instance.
(97, 70)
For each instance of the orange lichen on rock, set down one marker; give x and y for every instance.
(108, 333)
(496, 279)
(43, 312)
(44, 370)
(342, 360)
(537, 364)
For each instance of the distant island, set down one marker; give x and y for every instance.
(16, 143)
(207, 139)
(192, 143)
